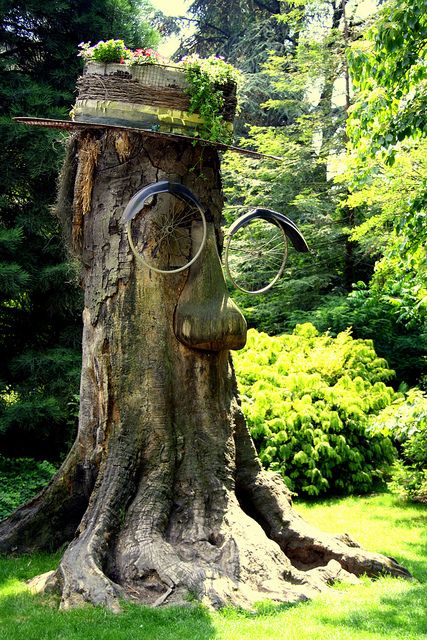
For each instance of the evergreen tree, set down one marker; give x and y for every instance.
(40, 304)
(238, 35)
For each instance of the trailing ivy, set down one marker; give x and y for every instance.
(206, 80)
(308, 399)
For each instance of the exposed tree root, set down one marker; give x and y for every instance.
(245, 567)
(268, 499)
(82, 580)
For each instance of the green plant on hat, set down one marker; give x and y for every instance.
(115, 51)
(206, 78)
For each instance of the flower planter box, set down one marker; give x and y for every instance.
(146, 74)
(150, 96)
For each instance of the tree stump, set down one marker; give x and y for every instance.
(162, 494)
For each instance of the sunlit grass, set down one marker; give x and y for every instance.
(384, 609)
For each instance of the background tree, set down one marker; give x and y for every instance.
(387, 171)
(245, 37)
(368, 237)
(242, 35)
(40, 319)
(309, 139)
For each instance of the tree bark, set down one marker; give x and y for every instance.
(163, 490)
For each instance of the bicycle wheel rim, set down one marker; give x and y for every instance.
(229, 251)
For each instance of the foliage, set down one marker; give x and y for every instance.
(216, 69)
(387, 157)
(372, 610)
(409, 480)
(308, 399)
(207, 79)
(109, 51)
(20, 480)
(372, 316)
(406, 422)
(393, 228)
(389, 70)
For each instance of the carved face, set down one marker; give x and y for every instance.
(168, 234)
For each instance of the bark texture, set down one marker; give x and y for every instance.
(163, 495)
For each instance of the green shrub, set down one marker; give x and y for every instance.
(20, 480)
(403, 345)
(308, 399)
(406, 422)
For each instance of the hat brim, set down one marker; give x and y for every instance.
(69, 125)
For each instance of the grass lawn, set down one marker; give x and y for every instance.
(384, 609)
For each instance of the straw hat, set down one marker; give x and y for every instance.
(149, 99)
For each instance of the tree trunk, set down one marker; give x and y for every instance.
(164, 493)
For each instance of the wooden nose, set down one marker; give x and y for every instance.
(205, 316)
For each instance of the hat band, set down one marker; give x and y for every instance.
(161, 119)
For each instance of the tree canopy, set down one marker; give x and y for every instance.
(390, 74)
(387, 172)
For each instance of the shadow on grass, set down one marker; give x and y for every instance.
(24, 615)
